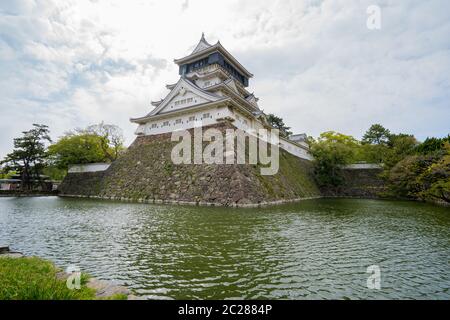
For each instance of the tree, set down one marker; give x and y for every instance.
(29, 155)
(376, 134)
(372, 153)
(77, 149)
(424, 177)
(111, 138)
(435, 181)
(400, 146)
(331, 151)
(278, 123)
(97, 143)
(431, 145)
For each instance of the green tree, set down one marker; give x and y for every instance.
(278, 123)
(111, 138)
(97, 143)
(376, 134)
(424, 177)
(435, 181)
(77, 149)
(431, 145)
(372, 153)
(29, 155)
(331, 151)
(400, 146)
(402, 177)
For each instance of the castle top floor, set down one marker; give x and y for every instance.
(206, 54)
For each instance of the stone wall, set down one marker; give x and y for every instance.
(146, 173)
(359, 183)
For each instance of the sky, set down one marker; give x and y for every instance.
(316, 63)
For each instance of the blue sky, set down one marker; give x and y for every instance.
(69, 64)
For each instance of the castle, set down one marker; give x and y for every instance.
(212, 89)
(211, 94)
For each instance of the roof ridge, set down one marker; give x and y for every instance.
(202, 45)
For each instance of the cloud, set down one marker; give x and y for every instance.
(69, 64)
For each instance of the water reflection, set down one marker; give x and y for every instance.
(313, 249)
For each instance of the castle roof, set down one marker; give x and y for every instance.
(204, 49)
(202, 45)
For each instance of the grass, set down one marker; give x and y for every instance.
(32, 278)
(293, 178)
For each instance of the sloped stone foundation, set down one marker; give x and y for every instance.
(358, 183)
(146, 173)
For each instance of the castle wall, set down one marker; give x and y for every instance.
(211, 116)
(360, 181)
(146, 173)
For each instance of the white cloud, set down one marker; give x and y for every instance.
(72, 63)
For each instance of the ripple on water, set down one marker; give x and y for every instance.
(314, 249)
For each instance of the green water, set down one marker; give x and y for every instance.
(313, 249)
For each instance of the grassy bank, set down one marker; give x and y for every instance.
(31, 278)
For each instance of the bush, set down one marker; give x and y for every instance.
(424, 177)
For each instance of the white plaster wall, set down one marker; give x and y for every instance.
(203, 83)
(242, 122)
(253, 126)
(195, 100)
(359, 166)
(5, 186)
(91, 167)
(214, 114)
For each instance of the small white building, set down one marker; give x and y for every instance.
(10, 184)
(212, 87)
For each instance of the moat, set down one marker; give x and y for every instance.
(312, 249)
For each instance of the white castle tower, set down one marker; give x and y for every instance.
(211, 89)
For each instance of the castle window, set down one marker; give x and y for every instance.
(178, 121)
(165, 123)
(206, 115)
(154, 125)
(192, 118)
(183, 101)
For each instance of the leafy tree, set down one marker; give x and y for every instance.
(400, 146)
(431, 145)
(77, 149)
(278, 123)
(97, 143)
(376, 134)
(331, 151)
(54, 172)
(424, 177)
(111, 138)
(372, 153)
(435, 181)
(402, 178)
(29, 155)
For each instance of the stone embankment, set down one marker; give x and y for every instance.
(358, 183)
(146, 173)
